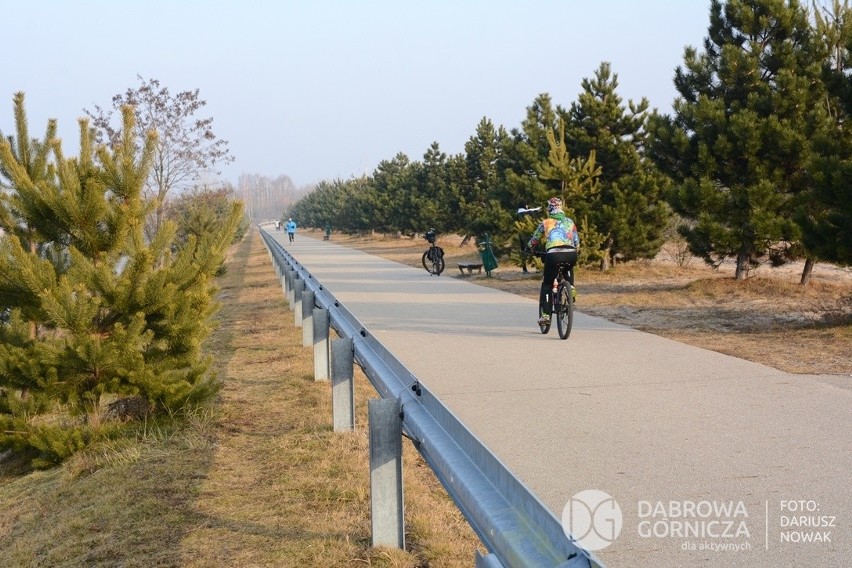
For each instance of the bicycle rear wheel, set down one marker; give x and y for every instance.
(433, 262)
(564, 310)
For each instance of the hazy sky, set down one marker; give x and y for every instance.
(318, 89)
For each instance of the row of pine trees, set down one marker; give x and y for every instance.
(755, 163)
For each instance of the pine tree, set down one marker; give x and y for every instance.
(96, 311)
(630, 210)
(393, 181)
(738, 142)
(201, 211)
(825, 208)
(358, 211)
(523, 153)
(579, 189)
(480, 206)
(432, 184)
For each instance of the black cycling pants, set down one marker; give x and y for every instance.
(551, 268)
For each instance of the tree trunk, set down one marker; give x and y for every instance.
(606, 261)
(743, 259)
(34, 252)
(806, 273)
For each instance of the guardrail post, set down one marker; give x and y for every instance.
(291, 296)
(308, 303)
(288, 286)
(386, 472)
(298, 290)
(343, 384)
(321, 325)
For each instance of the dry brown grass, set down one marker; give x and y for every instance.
(768, 318)
(263, 481)
(284, 489)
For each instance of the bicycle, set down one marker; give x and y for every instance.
(562, 301)
(433, 259)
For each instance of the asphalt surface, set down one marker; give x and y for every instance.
(712, 460)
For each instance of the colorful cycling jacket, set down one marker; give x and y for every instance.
(556, 231)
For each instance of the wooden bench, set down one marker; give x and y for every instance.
(470, 266)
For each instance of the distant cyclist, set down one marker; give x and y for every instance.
(561, 241)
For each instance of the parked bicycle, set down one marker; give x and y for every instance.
(562, 301)
(433, 259)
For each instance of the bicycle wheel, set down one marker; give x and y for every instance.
(432, 262)
(564, 310)
(427, 261)
(544, 327)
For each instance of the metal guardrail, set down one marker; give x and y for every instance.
(516, 528)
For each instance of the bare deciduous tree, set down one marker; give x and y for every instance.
(186, 146)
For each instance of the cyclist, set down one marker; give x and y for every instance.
(561, 240)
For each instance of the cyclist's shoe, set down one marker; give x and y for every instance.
(544, 319)
(573, 293)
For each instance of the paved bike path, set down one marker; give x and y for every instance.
(649, 421)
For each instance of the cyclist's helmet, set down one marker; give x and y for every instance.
(554, 204)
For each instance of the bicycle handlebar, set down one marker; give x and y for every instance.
(526, 211)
